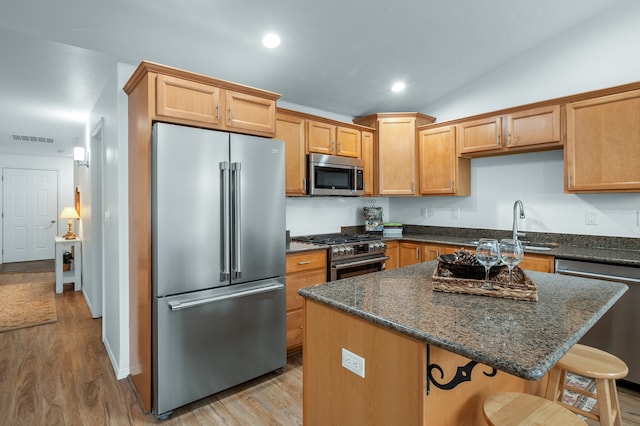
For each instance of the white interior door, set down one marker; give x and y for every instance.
(30, 203)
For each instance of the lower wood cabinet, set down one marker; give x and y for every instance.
(303, 269)
(538, 262)
(393, 251)
(410, 253)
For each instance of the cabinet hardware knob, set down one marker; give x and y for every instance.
(304, 262)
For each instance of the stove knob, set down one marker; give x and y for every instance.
(340, 251)
(349, 250)
(334, 251)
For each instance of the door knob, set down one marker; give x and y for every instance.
(53, 221)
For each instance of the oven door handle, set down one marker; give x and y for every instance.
(359, 263)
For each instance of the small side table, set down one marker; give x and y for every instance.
(74, 276)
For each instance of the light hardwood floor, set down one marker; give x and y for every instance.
(59, 374)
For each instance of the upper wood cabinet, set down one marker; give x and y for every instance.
(348, 142)
(291, 129)
(525, 130)
(395, 151)
(183, 97)
(537, 126)
(245, 112)
(304, 133)
(480, 135)
(321, 137)
(367, 157)
(602, 153)
(330, 139)
(441, 171)
(190, 102)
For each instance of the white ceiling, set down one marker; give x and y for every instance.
(339, 56)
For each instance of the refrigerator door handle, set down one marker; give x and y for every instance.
(178, 305)
(224, 260)
(237, 228)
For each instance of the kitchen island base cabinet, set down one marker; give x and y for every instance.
(394, 389)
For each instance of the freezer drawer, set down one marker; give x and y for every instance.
(211, 340)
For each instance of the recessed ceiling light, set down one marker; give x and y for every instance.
(398, 87)
(271, 40)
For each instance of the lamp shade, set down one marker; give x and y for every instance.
(78, 153)
(69, 213)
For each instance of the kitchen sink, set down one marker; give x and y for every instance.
(527, 245)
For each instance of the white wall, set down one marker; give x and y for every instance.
(321, 215)
(107, 238)
(64, 167)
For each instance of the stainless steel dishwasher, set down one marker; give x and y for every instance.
(618, 331)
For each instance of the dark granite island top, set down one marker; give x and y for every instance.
(522, 338)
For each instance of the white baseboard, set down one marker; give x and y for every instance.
(121, 372)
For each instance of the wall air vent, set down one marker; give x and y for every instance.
(24, 138)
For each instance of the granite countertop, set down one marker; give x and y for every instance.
(519, 337)
(565, 250)
(296, 247)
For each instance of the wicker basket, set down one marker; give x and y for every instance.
(522, 287)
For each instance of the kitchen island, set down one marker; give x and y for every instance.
(433, 357)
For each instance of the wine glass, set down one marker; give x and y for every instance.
(511, 253)
(488, 254)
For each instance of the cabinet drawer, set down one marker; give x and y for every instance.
(299, 280)
(306, 260)
(295, 322)
(538, 262)
(187, 100)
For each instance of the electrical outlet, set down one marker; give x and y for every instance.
(638, 218)
(424, 212)
(455, 214)
(591, 217)
(353, 362)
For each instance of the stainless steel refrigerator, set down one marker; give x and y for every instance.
(218, 256)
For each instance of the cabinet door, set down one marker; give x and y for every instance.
(430, 252)
(534, 127)
(320, 137)
(480, 135)
(437, 148)
(393, 251)
(396, 156)
(348, 142)
(410, 253)
(187, 100)
(291, 130)
(248, 112)
(367, 157)
(603, 144)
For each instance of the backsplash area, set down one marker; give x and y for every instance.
(319, 215)
(497, 182)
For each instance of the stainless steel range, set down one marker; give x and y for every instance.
(350, 255)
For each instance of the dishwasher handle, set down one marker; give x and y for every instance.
(584, 274)
(179, 305)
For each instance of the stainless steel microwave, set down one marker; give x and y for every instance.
(333, 175)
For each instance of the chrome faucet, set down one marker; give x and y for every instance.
(516, 205)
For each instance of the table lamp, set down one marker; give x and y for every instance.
(69, 213)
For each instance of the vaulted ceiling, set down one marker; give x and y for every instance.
(336, 56)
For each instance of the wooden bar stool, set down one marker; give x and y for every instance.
(595, 364)
(514, 408)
